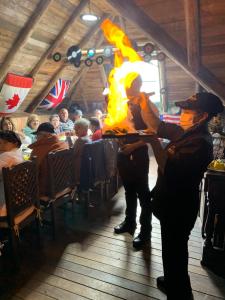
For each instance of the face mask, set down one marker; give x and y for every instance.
(187, 119)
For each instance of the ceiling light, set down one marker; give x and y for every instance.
(89, 17)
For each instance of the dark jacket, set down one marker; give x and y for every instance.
(136, 165)
(189, 153)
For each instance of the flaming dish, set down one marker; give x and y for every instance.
(118, 123)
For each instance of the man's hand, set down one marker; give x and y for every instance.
(128, 149)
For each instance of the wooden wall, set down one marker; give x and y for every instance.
(20, 122)
(168, 14)
(179, 84)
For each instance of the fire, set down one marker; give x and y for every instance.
(126, 69)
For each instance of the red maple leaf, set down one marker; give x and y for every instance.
(13, 102)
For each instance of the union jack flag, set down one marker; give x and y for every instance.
(56, 95)
(175, 119)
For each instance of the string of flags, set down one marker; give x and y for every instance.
(76, 56)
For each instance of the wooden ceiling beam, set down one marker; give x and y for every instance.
(103, 76)
(122, 23)
(23, 36)
(192, 20)
(83, 70)
(167, 44)
(60, 36)
(37, 100)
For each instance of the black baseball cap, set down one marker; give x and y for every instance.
(11, 137)
(45, 127)
(204, 102)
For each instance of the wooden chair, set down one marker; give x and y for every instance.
(60, 180)
(93, 176)
(110, 159)
(21, 202)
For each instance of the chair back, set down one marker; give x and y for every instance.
(61, 171)
(21, 188)
(110, 156)
(93, 169)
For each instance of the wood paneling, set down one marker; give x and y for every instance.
(168, 14)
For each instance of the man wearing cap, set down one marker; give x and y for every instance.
(181, 166)
(47, 141)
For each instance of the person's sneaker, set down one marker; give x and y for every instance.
(125, 227)
(141, 240)
(162, 287)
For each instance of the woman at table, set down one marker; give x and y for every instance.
(32, 125)
(6, 124)
(55, 121)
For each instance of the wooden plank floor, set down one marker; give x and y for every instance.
(88, 261)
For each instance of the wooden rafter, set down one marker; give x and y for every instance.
(37, 100)
(24, 35)
(103, 75)
(192, 20)
(163, 84)
(167, 44)
(60, 36)
(83, 70)
(122, 23)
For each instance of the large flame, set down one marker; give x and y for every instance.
(127, 65)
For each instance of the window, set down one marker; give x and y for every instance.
(151, 81)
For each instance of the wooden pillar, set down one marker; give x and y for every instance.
(163, 85)
(192, 20)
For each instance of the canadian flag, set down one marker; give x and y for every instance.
(13, 92)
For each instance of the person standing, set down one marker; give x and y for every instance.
(133, 166)
(181, 166)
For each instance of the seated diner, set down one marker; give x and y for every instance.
(47, 141)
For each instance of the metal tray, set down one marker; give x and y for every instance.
(120, 136)
(127, 136)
